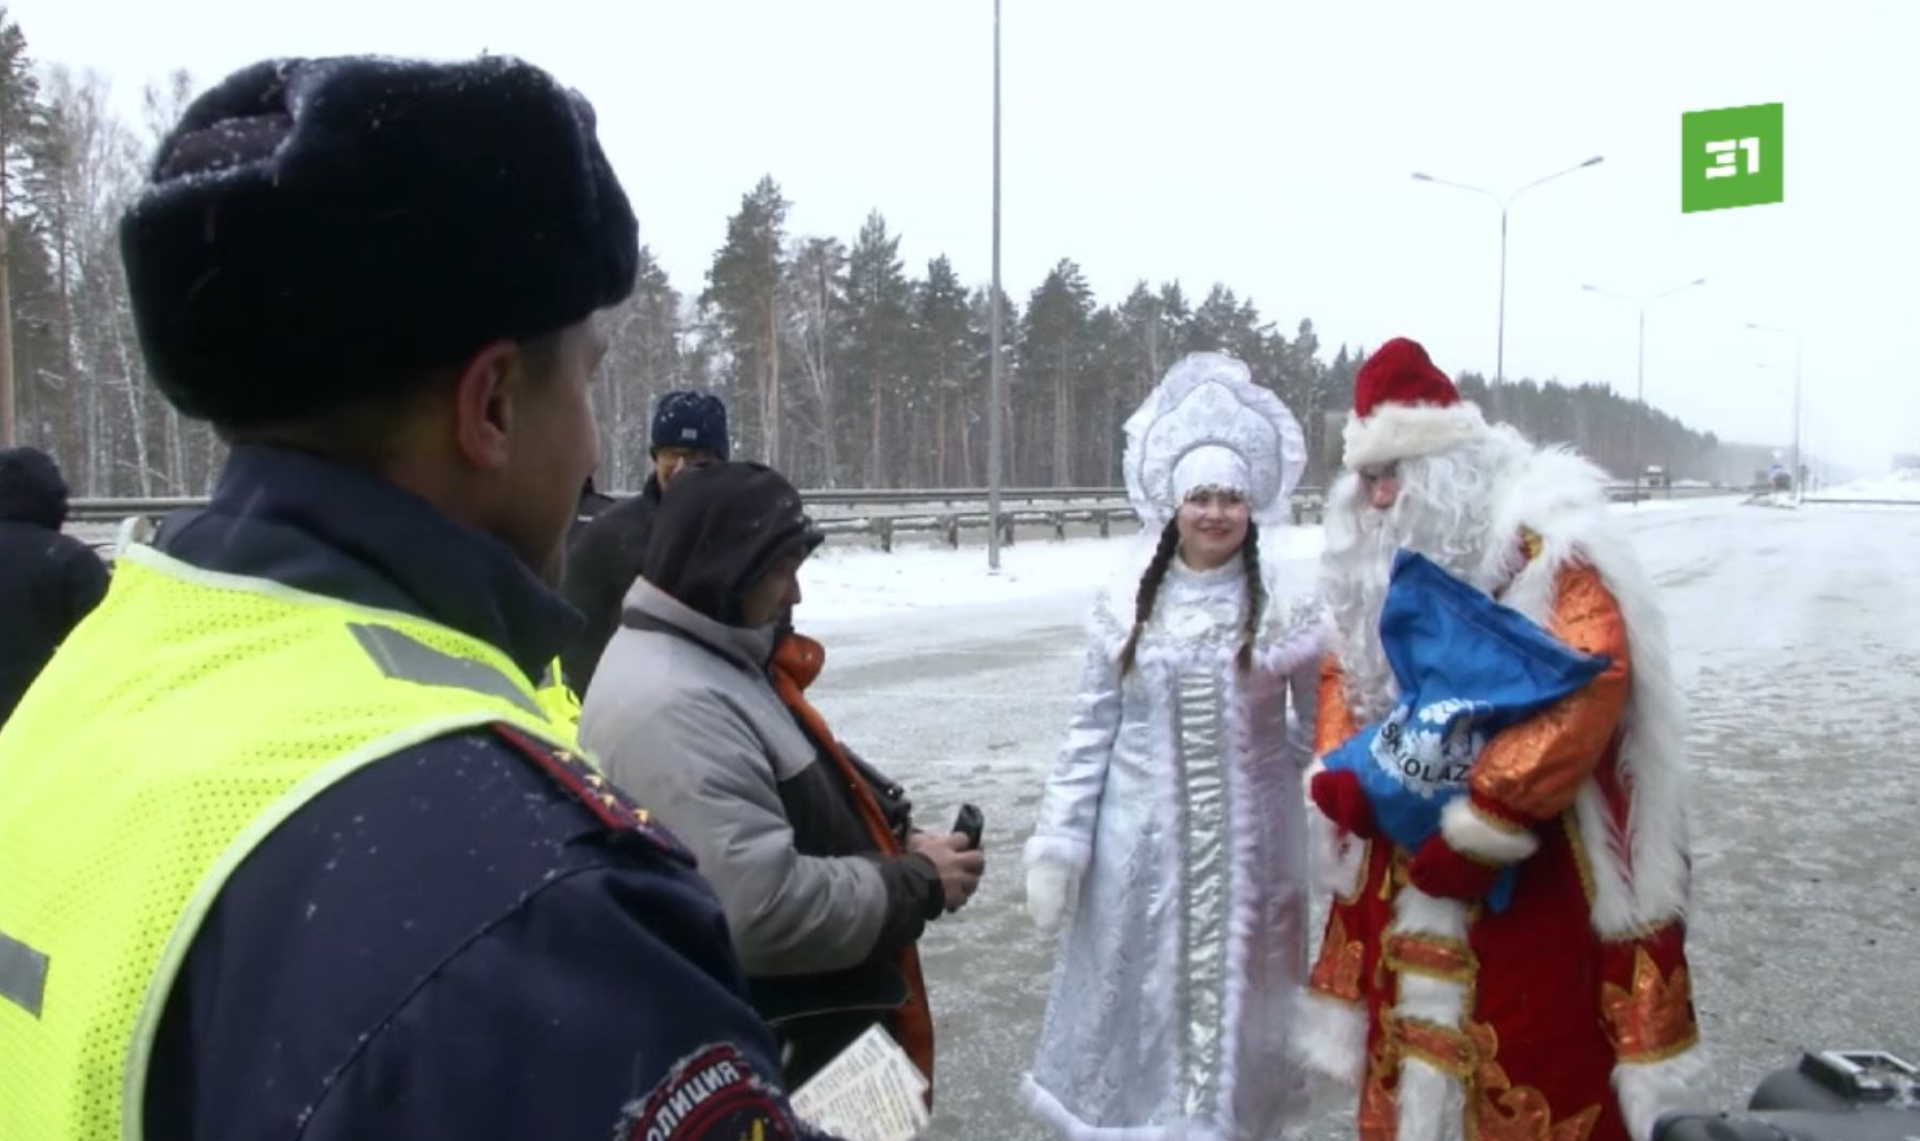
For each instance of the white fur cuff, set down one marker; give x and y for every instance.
(1408, 431)
(1649, 1091)
(1064, 850)
(1472, 833)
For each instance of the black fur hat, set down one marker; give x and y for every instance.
(31, 488)
(315, 230)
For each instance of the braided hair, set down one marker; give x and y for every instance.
(1256, 598)
(1156, 574)
(1150, 591)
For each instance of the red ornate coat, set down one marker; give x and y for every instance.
(1568, 1017)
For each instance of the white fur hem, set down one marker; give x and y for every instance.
(1430, 1101)
(1068, 1125)
(1407, 431)
(1065, 850)
(1432, 1104)
(1470, 833)
(1330, 1037)
(1650, 1090)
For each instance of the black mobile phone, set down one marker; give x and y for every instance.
(970, 823)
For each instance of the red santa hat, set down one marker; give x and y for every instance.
(1404, 407)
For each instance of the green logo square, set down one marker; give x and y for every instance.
(1732, 157)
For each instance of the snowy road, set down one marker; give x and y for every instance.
(1794, 639)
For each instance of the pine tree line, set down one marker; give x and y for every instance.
(839, 364)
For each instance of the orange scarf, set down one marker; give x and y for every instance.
(797, 661)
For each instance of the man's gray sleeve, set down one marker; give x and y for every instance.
(707, 778)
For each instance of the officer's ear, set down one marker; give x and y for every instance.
(483, 405)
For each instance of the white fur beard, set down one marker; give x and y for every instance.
(1443, 511)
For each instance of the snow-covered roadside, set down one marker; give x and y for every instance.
(848, 583)
(1901, 486)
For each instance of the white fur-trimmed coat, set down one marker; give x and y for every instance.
(1175, 801)
(1639, 871)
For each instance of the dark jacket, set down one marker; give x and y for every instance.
(688, 721)
(592, 502)
(447, 944)
(48, 581)
(603, 559)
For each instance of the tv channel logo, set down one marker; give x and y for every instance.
(1732, 157)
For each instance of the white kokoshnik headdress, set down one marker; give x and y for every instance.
(1207, 424)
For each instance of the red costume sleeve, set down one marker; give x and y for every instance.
(1646, 996)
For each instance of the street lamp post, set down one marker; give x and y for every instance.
(1640, 371)
(1500, 349)
(1799, 343)
(996, 384)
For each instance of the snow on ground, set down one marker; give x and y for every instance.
(844, 581)
(1903, 486)
(1788, 640)
(847, 581)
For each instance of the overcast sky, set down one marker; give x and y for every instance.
(1264, 144)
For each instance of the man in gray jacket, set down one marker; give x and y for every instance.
(825, 883)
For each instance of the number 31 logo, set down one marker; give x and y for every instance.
(1724, 152)
(1732, 157)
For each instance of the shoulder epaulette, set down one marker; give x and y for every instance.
(600, 796)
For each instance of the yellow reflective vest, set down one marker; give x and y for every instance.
(558, 698)
(180, 723)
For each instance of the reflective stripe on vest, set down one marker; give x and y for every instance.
(187, 717)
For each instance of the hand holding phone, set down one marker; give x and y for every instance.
(970, 823)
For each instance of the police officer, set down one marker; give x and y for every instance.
(288, 847)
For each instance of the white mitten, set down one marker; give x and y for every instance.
(1050, 888)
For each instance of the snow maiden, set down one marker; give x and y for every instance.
(1170, 838)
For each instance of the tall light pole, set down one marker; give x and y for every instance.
(996, 383)
(1799, 344)
(1506, 203)
(1640, 371)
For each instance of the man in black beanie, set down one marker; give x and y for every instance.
(603, 556)
(290, 848)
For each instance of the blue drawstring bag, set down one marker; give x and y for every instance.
(1467, 668)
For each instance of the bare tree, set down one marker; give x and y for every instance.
(817, 293)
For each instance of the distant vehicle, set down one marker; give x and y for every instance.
(1656, 476)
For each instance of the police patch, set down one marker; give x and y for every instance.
(712, 1094)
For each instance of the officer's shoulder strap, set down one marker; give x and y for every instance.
(598, 795)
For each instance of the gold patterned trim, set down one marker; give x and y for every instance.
(1498, 1110)
(1441, 1047)
(1653, 1019)
(1433, 956)
(1337, 971)
(1579, 849)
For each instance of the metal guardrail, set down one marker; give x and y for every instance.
(949, 512)
(114, 510)
(842, 499)
(946, 512)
